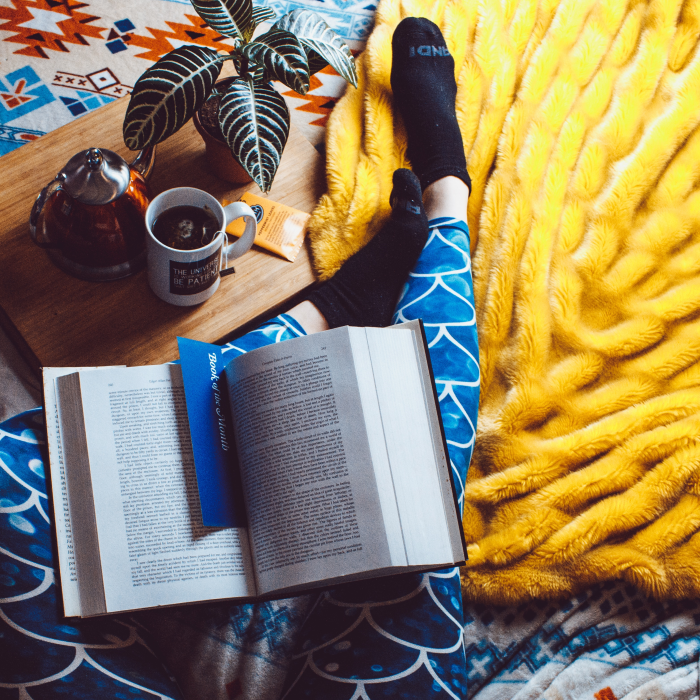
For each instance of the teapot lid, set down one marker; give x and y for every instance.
(96, 176)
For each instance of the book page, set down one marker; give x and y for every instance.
(411, 447)
(61, 508)
(377, 445)
(154, 549)
(311, 495)
(79, 484)
(444, 468)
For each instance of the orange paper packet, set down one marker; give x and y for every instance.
(281, 229)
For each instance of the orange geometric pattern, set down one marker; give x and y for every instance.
(16, 98)
(71, 26)
(316, 104)
(196, 32)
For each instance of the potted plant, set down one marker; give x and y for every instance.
(252, 116)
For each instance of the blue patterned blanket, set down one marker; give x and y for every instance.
(609, 643)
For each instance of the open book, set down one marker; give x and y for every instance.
(336, 461)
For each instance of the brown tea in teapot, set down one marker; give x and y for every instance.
(186, 227)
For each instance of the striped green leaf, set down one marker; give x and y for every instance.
(232, 18)
(169, 93)
(258, 74)
(252, 69)
(316, 62)
(262, 14)
(283, 57)
(321, 43)
(254, 120)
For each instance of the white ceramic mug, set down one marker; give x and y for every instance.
(189, 277)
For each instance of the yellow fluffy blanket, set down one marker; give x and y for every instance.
(580, 124)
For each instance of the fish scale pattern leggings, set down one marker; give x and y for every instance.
(396, 637)
(401, 636)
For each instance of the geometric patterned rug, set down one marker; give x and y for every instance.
(60, 59)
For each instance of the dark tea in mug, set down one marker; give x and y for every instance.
(186, 227)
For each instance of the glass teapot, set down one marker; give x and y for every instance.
(90, 217)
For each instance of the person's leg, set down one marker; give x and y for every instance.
(440, 291)
(401, 636)
(365, 289)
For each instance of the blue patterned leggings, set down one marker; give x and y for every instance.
(401, 637)
(396, 637)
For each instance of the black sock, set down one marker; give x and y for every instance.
(365, 290)
(423, 82)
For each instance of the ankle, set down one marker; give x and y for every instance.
(365, 290)
(446, 197)
(309, 317)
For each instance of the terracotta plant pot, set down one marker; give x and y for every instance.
(220, 158)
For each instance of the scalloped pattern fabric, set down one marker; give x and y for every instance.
(45, 655)
(580, 126)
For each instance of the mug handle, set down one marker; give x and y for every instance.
(234, 250)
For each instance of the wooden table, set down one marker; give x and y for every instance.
(57, 320)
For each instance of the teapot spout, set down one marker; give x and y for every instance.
(144, 161)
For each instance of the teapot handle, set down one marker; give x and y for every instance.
(41, 239)
(144, 161)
